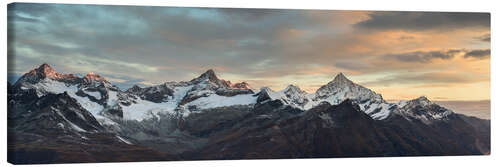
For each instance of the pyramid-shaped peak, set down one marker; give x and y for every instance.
(210, 74)
(45, 69)
(341, 77)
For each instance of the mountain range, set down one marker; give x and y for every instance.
(63, 118)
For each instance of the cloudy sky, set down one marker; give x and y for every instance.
(402, 55)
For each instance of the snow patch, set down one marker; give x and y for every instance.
(97, 95)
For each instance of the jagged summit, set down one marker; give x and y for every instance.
(341, 78)
(294, 88)
(45, 68)
(343, 88)
(209, 74)
(92, 78)
(241, 85)
(211, 77)
(422, 100)
(44, 71)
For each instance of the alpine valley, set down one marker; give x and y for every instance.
(63, 118)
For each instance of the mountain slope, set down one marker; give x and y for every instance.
(52, 115)
(341, 130)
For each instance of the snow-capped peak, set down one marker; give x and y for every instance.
(340, 78)
(343, 88)
(293, 89)
(423, 109)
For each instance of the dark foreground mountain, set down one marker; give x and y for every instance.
(62, 118)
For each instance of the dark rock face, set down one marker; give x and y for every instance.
(55, 129)
(55, 113)
(155, 94)
(9, 88)
(339, 131)
(29, 148)
(233, 92)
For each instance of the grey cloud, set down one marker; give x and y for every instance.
(175, 39)
(179, 43)
(481, 53)
(485, 38)
(427, 78)
(424, 20)
(423, 57)
(33, 9)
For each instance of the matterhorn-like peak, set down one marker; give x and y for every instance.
(210, 74)
(45, 70)
(341, 78)
(207, 75)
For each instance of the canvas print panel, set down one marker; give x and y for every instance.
(94, 83)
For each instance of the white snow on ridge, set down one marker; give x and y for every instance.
(51, 86)
(382, 108)
(377, 109)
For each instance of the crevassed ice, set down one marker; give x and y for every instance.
(144, 109)
(215, 100)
